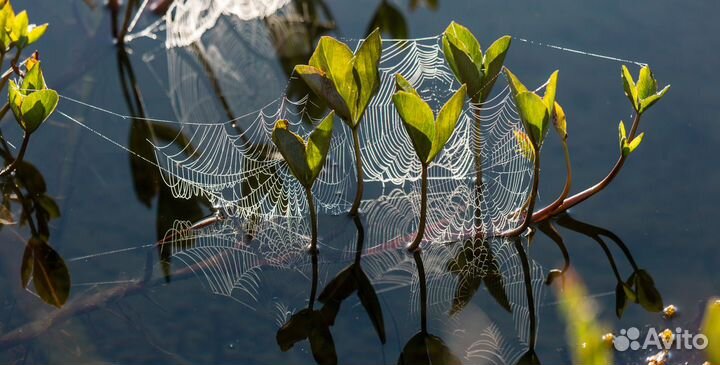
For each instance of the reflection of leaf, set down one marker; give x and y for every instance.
(310, 325)
(30, 178)
(49, 205)
(427, 349)
(6, 216)
(390, 20)
(473, 264)
(647, 295)
(50, 275)
(349, 280)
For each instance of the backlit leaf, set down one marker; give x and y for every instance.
(533, 114)
(629, 86)
(646, 84)
(401, 84)
(36, 32)
(493, 63)
(446, 121)
(37, 107)
(366, 73)
(559, 121)
(646, 103)
(468, 72)
(322, 86)
(515, 84)
(418, 120)
(292, 148)
(50, 275)
(551, 92)
(318, 146)
(525, 145)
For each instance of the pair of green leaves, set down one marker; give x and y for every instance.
(16, 30)
(48, 272)
(644, 93)
(427, 134)
(464, 55)
(32, 102)
(311, 325)
(348, 281)
(639, 288)
(347, 82)
(628, 147)
(537, 112)
(305, 159)
(426, 349)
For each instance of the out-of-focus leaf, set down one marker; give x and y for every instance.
(529, 358)
(621, 299)
(50, 275)
(711, 329)
(390, 20)
(6, 216)
(647, 295)
(583, 330)
(171, 209)
(370, 302)
(49, 205)
(30, 178)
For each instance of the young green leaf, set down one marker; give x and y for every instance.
(550, 92)
(515, 84)
(365, 72)
(418, 120)
(622, 136)
(37, 108)
(559, 121)
(633, 145)
(35, 32)
(461, 37)
(646, 103)
(493, 63)
(401, 84)
(629, 86)
(446, 121)
(33, 79)
(646, 85)
(321, 85)
(468, 72)
(19, 29)
(318, 145)
(533, 114)
(525, 146)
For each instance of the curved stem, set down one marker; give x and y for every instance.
(413, 247)
(533, 197)
(423, 291)
(574, 200)
(568, 180)
(11, 167)
(358, 164)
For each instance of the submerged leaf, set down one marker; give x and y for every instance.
(50, 275)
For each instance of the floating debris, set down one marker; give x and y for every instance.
(670, 311)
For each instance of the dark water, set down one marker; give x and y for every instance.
(662, 205)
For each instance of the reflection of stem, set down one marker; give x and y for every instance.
(360, 239)
(412, 247)
(580, 197)
(423, 291)
(551, 231)
(11, 167)
(126, 21)
(358, 164)
(528, 292)
(313, 245)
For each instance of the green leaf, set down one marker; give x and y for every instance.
(461, 37)
(550, 92)
(622, 136)
(646, 103)
(318, 146)
(15, 99)
(292, 148)
(418, 120)
(633, 145)
(37, 107)
(446, 121)
(36, 32)
(335, 59)
(370, 302)
(647, 295)
(401, 84)
(515, 84)
(321, 85)
(629, 86)
(525, 145)
(468, 73)
(20, 29)
(50, 275)
(33, 79)
(366, 73)
(493, 63)
(646, 85)
(533, 114)
(559, 121)
(711, 329)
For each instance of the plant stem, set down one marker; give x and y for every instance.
(478, 169)
(413, 247)
(423, 291)
(11, 167)
(580, 197)
(358, 164)
(533, 197)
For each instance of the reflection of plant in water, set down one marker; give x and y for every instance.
(347, 83)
